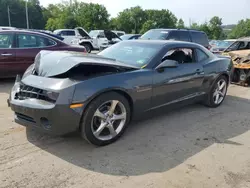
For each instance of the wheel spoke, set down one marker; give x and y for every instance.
(112, 130)
(220, 93)
(222, 85)
(119, 117)
(100, 129)
(217, 98)
(99, 114)
(215, 93)
(113, 106)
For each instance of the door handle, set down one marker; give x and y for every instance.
(199, 71)
(6, 54)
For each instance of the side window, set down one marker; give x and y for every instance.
(71, 33)
(120, 34)
(201, 56)
(248, 45)
(101, 35)
(181, 55)
(33, 41)
(6, 40)
(174, 35)
(184, 36)
(199, 38)
(67, 33)
(244, 46)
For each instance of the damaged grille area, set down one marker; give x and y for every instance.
(24, 117)
(27, 92)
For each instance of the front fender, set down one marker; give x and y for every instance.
(131, 84)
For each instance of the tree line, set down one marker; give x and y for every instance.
(94, 16)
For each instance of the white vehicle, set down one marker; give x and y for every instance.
(119, 33)
(79, 36)
(104, 38)
(98, 38)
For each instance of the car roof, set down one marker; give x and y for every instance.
(118, 31)
(30, 32)
(172, 29)
(64, 30)
(244, 39)
(131, 34)
(96, 30)
(163, 42)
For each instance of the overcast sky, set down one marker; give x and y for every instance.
(195, 10)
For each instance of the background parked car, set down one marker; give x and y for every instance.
(119, 33)
(195, 36)
(68, 34)
(222, 45)
(108, 38)
(130, 36)
(239, 44)
(18, 49)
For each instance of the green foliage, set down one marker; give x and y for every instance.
(147, 26)
(94, 16)
(136, 20)
(86, 15)
(131, 20)
(18, 15)
(242, 29)
(162, 18)
(180, 24)
(213, 28)
(216, 31)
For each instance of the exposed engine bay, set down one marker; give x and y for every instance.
(241, 61)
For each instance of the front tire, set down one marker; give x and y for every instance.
(105, 119)
(88, 47)
(217, 93)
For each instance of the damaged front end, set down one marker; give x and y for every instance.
(241, 61)
(43, 98)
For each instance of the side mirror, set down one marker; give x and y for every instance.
(167, 64)
(98, 36)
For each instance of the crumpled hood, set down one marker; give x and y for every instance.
(52, 63)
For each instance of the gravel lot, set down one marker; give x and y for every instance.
(192, 147)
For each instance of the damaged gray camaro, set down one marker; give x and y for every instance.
(98, 95)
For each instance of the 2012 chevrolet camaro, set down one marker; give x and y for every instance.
(99, 94)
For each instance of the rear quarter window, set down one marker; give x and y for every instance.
(200, 38)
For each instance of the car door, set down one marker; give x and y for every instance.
(68, 35)
(28, 46)
(101, 39)
(7, 54)
(179, 83)
(173, 35)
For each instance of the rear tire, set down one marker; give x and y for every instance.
(217, 93)
(98, 125)
(88, 47)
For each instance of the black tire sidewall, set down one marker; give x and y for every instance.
(86, 130)
(88, 47)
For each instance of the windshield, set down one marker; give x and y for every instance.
(224, 44)
(125, 37)
(135, 54)
(93, 33)
(155, 35)
(233, 46)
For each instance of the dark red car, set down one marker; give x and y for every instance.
(18, 49)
